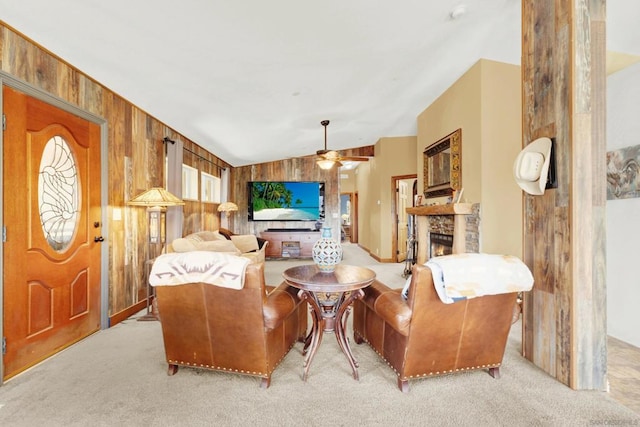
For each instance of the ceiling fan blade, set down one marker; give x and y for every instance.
(354, 159)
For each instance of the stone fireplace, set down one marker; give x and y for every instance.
(440, 244)
(454, 225)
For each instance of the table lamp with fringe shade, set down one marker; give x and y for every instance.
(227, 208)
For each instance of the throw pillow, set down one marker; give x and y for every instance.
(206, 236)
(245, 242)
(194, 237)
(218, 246)
(184, 244)
(218, 236)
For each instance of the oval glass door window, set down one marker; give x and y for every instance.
(58, 193)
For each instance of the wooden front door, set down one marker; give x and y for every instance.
(52, 213)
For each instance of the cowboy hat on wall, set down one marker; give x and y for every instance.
(534, 168)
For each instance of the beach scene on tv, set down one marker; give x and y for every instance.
(285, 201)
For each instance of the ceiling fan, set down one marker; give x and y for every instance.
(327, 158)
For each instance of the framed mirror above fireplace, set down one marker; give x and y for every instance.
(442, 166)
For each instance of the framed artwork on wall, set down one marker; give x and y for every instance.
(623, 173)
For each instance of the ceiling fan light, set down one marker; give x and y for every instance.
(325, 163)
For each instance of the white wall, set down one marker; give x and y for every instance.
(623, 216)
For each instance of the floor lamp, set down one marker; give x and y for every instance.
(156, 200)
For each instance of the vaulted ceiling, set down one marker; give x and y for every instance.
(251, 80)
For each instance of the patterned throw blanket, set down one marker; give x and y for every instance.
(214, 268)
(461, 276)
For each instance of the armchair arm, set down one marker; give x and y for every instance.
(373, 292)
(389, 305)
(280, 302)
(394, 310)
(261, 242)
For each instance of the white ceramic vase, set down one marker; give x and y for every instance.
(327, 252)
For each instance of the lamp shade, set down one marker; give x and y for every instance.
(227, 207)
(156, 196)
(325, 164)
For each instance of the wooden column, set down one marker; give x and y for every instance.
(563, 74)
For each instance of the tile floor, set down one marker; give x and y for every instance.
(624, 373)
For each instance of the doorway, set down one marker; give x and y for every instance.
(404, 190)
(349, 217)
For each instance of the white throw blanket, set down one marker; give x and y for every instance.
(461, 276)
(214, 268)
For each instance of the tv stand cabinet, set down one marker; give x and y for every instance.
(290, 243)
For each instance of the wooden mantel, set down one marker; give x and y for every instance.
(458, 210)
(448, 209)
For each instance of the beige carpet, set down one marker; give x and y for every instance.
(118, 377)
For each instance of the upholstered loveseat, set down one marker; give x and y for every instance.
(246, 245)
(420, 336)
(245, 330)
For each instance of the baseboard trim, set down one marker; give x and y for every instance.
(126, 313)
(374, 256)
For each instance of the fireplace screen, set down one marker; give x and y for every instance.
(440, 244)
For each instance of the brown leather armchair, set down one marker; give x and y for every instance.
(420, 336)
(247, 331)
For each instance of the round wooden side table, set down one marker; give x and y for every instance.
(330, 296)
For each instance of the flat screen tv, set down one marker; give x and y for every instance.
(286, 200)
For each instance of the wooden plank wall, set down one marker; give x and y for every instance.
(296, 169)
(563, 74)
(135, 159)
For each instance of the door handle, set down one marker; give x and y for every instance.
(98, 239)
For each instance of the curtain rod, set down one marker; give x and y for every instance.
(167, 139)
